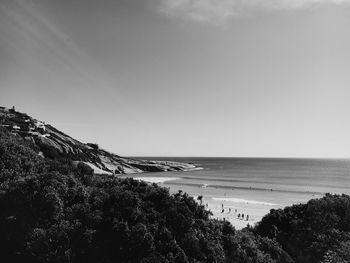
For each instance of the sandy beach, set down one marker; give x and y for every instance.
(231, 205)
(226, 206)
(234, 187)
(239, 212)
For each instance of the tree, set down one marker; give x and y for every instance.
(308, 231)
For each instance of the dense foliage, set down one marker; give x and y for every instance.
(59, 211)
(312, 232)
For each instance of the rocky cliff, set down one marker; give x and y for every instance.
(52, 143)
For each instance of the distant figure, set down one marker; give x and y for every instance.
(229, 210)
(242, 216)
(235, 210)
(222, 206)
(200, 199)
(206, 205)
(247, 217)
(239, 215)
(223, 210)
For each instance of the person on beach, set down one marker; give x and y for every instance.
(242, 216)
(247, 217)
(239, 216)
(229, 210)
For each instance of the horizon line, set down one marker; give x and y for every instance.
(239, 157)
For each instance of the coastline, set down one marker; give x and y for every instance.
(241, 207)
(231, 187)
(216, 204)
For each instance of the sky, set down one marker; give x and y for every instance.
(235, 78)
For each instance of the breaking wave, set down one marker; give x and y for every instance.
(244, 201)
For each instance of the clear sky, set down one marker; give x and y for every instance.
(183, 77)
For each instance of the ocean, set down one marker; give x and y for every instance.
(252, 186)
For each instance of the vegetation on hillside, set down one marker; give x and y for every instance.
(313, 232)
(54, 144)
(55, 211)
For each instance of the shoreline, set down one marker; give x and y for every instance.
(241, 206)
(230, 206)
(228, 187)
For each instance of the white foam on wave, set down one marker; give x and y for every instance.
(192, 169)
(156, 180)
(243, 201)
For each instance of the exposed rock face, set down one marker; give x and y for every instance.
(52, 143)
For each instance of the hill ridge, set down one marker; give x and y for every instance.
(53, 143)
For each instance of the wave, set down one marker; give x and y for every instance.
(244, 201)
(255, 182)
(156, 180)
(193, 169)
(246, 188)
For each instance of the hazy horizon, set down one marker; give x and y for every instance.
(183, 78)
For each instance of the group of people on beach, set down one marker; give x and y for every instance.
(239, 215)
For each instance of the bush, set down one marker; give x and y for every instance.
(17, 158)
(308, 231)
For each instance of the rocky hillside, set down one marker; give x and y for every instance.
(52, 143)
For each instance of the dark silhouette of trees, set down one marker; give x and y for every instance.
(309, 231)
(57, 210)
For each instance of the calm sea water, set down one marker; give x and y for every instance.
(261, 183)
(264, 174)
